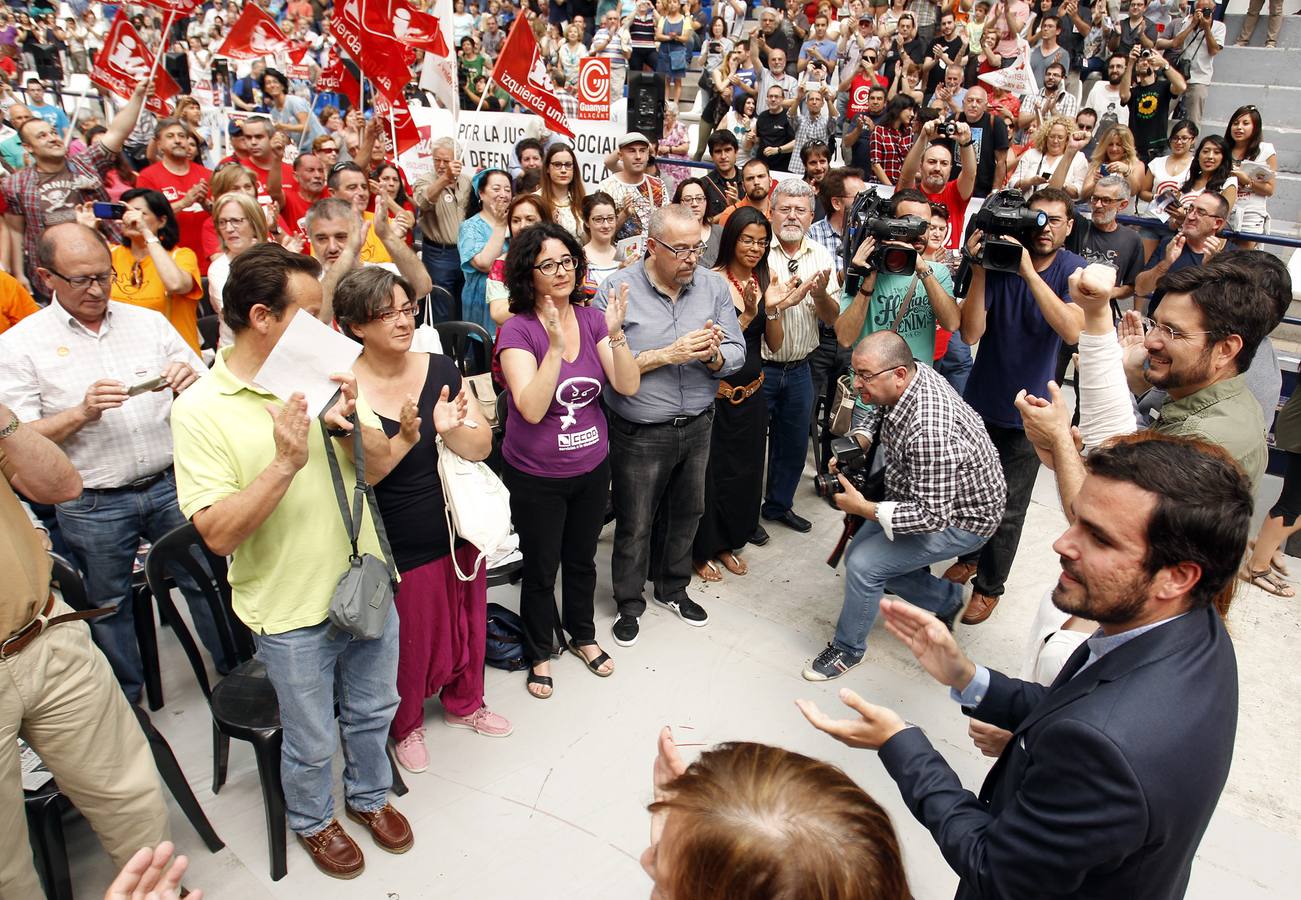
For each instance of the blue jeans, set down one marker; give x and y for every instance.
(875, 565)
(444, 267)
(955, 365)
(789, 394)
(308, 667)
(104, 530)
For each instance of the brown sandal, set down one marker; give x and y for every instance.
(733, 563)
(1268, 582)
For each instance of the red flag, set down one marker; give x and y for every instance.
(253, 35)
(337, 78)
(396, 18)
(381, 58)
(522, 73)
(180, 8)
(407, 132)
(124, 61)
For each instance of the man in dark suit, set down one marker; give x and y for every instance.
(1113, 771)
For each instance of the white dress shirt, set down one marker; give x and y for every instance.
(49, 360)
(800, 322)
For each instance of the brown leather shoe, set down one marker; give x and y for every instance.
(960, 572)
(334, 851)
(979, 609)
(387, 826)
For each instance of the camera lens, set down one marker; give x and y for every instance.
(827, 485)
(897, 260)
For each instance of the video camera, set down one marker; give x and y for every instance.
(851, 461)
(869, 216)
(1009, 225)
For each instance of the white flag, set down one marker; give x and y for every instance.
(1017, 78)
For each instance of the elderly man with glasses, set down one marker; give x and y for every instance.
(1196, 242)
(682, 329)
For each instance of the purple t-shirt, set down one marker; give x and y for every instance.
(571, 438)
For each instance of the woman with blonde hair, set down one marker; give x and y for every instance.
(239, 224)
(229, 178)
(1116, 152)
(752, 822)
(1049, 149)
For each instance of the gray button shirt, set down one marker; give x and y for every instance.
(654, 321)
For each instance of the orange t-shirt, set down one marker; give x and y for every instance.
(139, 284)
(15, 303)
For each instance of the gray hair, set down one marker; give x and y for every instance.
(445, 142)
(794, 187)
(1117, 181)
(661, 218)
(329, 208)
(363, 293)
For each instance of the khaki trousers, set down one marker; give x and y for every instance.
(59, 695)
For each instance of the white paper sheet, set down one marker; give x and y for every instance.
(305, 357)
(34, 772)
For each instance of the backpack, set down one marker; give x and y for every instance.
(505, 639)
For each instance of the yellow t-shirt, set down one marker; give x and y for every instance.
(284, 574)
(139, 284)
(15, 303)
(373, 251)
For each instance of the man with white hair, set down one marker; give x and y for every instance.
(440, 195)
(807, 277)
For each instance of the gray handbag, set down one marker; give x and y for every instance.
(363, 598)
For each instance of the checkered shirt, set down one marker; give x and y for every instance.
(941, 469)
(807, 130)
(889, 147)
(1066, 102)
(923, 12)
(822, 232)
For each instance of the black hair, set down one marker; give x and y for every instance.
(1270, 273)
(742, 218)
(170, 232)
(807, 151)
(895, 109)
(1231, 300)
(474, 202)
(520, 259)
(401, 199)
(754, 161)
(1252, 149)
(833, 185)
(595, 199)
(907, 195)
(272, 73)
(362, 293)
(1214, 180)
(338, 169)
(528, 143)
(260, 276)
(1183, 125)
(722, 138)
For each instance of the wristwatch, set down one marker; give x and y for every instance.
(966, 143)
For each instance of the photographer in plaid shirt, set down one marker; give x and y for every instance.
(944, 494)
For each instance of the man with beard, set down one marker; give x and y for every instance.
(773, 34)
(756, 182)
(1021, 319)
(935, 160)
(989, 133)
(182, 181)
(773, 136)
(775, 76)
(947, 52)
(1105, 98)
(1052, 100)
(1148, 98)
(636, 193)
(804, 266)
(1135, 737)
(1194, 245)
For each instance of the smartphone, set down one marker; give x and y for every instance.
(145, 387)
(109, 210)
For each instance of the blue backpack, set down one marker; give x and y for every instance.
(505, 639)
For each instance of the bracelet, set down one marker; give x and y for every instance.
(620, 341)
(11, 427)
(967, 144)
(152, 239)
(773, 317)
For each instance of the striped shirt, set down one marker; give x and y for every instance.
(800, 323)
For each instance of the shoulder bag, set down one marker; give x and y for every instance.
(363, 598)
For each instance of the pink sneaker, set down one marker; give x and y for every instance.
(483, 721)
(411, 752)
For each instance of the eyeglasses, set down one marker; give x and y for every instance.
(561, 165)
(390, 315)
(82, 282)
(552, 266)
(1105, 201)
(746, 241)
(682, 253)
(223, 223)
(791, 210)
(604, 220)
(693, 199)
(1166, 333)
(866, 377)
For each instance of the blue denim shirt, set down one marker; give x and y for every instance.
(654, 321)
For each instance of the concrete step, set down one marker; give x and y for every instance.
(1286, 202)
(1286, 141)
(1290, 36)
(1256, 65)
(1279, 106)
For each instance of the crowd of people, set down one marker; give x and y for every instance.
(665, 341)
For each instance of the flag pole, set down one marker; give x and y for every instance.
(167, 30)
(492, 77)
(76, 111)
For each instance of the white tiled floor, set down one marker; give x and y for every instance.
(558, 809)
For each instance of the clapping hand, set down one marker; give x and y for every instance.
(450, 414)
(409, 419)
(616, 308)
(147, 876)
(551, 323)
(290, 431)
(336, 417)
(870, 731)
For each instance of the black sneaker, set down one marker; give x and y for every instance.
(760, 536)
(688, 611)
(830, 663)
(625, 630)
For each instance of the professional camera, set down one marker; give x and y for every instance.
(1008, 225)
(869, 216)
(946, 127)
(851, 461)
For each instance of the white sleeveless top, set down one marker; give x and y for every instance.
(1163, 179)
(1249, 200)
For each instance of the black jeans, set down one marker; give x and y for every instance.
(1020, 468)
(826, 364)
(658, 481)
(558, 521)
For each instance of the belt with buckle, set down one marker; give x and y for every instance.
(139, 484)
(23, 637)
(787, 366)
(680, 421)
(738, 395)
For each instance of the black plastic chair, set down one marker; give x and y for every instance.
(468, 344)
(446, 301)
(209, 331)
(46, 805)
(243, 704)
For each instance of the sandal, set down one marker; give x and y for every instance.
(1268, 582)
(733, 563)
(596, 662)
(543, 681)
(1276, 562)
(708, 571)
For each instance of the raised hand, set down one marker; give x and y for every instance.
(1174, 249)
(450, 414)
(1047, 421)
(336, 417)
(930, 642)
(291, 423)
(409, 419)
(874, 726)
(616, 309)
(381, 221)
(750, 298)
(551, 322)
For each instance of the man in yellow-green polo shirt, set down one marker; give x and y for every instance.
(253, 476)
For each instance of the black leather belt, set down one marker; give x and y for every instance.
(429, 243)
(140, 484)
(787, 366)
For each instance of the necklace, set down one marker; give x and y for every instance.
(740, 290)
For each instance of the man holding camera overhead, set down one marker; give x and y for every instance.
(929, 164)
(943, 496)
(1018, 308)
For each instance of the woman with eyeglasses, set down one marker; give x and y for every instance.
(483, 237)
(562, 187)
(524, 211)
(1118, 155)
(1049, 149)
(557, 358)
(240, 225)
(419, 398)
(1163, 179)
(149, 270)
(691, 194)
(734, 477)
(601, 219)
(1255, 165)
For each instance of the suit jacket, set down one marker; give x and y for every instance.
(1108, 782)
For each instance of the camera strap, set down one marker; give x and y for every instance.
(905, 303)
